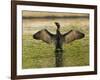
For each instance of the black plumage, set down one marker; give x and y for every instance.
(58, 39)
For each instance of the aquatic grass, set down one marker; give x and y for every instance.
(37, 54)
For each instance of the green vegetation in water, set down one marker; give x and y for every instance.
(37, 54)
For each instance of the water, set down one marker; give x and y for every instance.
(33, 25)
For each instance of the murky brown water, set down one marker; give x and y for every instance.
(32, 25)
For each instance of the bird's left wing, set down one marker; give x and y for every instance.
(44, 35)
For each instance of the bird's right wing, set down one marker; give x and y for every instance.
(72, 35)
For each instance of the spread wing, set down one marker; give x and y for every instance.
(72, 35)
(44, 35)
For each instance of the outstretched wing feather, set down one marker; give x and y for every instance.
(72, 35)
(44, 35)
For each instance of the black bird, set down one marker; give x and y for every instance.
(58, 38)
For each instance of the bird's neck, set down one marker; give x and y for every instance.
(58, 31)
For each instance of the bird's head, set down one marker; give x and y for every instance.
(58, 25)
